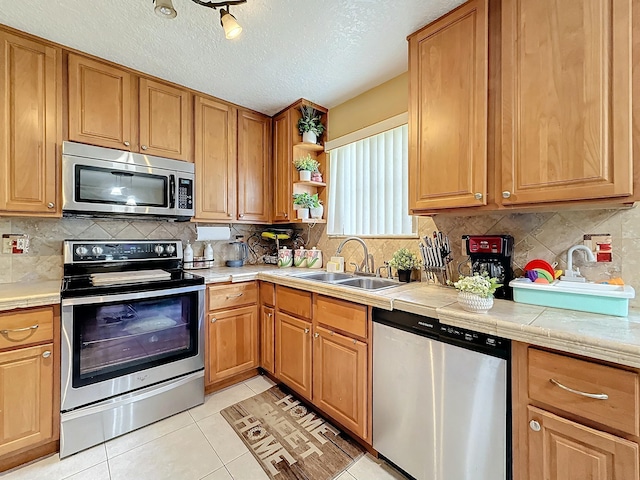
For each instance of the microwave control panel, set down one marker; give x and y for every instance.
(185, 194)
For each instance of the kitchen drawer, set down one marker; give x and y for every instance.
(619, 410)
(234, 295)
(341, 315)
(267, 294)
(26, 327)
(295, 302)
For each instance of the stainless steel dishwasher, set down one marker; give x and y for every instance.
(441, 399)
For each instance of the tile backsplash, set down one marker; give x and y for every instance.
(44, 260)
(537, 235)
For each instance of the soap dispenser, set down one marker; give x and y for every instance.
(187, 256)
(208, 252)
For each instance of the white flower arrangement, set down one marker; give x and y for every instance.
(481, 285)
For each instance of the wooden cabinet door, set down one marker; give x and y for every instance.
(340, 379)
(30, 129)
(448, 71)
(26, 397)
(267, 339)
(215, 160)
(165, 120)
(566, 100)
(282, 187)
(101, 111)
(233, 342)
(293, 353)
(564, 450)
(254, 156)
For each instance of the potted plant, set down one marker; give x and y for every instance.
(405, 261)
(316, 209)
(303, 201)
(305, 165)
(475, 293)
(310, 126)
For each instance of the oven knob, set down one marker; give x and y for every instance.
(170, 249)
(97, 251)
(82, 251)
(159, 249)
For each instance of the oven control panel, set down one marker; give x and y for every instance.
(107, 251)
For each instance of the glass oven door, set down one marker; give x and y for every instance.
(113, 344)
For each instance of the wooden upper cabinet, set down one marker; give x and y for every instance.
(101, 106)
(165, 120)
(30, 127)
(448, 71)
(215, 160)
(254, 157)
(561, 449)
(566, 100)
(283, 190)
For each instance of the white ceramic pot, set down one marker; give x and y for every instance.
(303, 213)
(474, 303)
(317, 212)
(305, 175)
(309, 137)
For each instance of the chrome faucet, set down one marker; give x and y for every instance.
(367, 265)
(386, 267)
(572, 275)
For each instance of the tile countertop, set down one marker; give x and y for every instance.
(32, 294)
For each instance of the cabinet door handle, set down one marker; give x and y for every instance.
(286, 215)
(506, 194)
(597, 396)
(228, 215)
(213, 320)
(46, 354)
(14, 330)
(306, 330)
(269, 315)
(478, 196)
(316, 335)
(51, 205)
(535, 426)
(241, 215)
(144, 147)
(126, 144)
(234, 296)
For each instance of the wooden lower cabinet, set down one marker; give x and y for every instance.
(26, 397)
(340, 378)
(293, 353)
(267, 339)
(233, 342)
(563, 450)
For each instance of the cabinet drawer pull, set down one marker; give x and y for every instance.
(316, 335)
(46, 354)
(535, 426)
(597, 396)
(213, 320)
(234, 296)
(14, 330)
(306, 330)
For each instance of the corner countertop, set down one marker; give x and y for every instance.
(32, 294)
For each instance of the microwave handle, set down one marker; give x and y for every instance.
(172, 191)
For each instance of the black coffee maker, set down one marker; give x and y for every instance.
(492, 254)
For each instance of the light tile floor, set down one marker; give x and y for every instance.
(194, 445)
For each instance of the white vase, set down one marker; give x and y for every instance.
(317, 212)
(305, 175)
(309, 137)
(474, 303)
(303, 213)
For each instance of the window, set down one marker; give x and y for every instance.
(369, 185)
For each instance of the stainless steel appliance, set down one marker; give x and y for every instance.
(132, 338)
(492, 254)
(441, 398)
(105, 182)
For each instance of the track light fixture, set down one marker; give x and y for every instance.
(164, 9)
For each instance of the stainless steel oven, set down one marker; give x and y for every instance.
(132, 339)
(104, 182)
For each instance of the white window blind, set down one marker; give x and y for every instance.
(368, 192)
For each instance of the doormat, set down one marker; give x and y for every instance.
(290, 441)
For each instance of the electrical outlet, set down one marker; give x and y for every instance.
(15, 243)
(600, 245)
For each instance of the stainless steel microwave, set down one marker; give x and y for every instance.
(100, 181)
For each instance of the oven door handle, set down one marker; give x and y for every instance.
(131, 296)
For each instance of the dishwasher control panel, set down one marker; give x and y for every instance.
(470, 337)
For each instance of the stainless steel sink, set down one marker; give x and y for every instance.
(369, 283)
(325, 276)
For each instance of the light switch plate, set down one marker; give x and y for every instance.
(16, 243)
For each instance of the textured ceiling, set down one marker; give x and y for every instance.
(326, 51)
